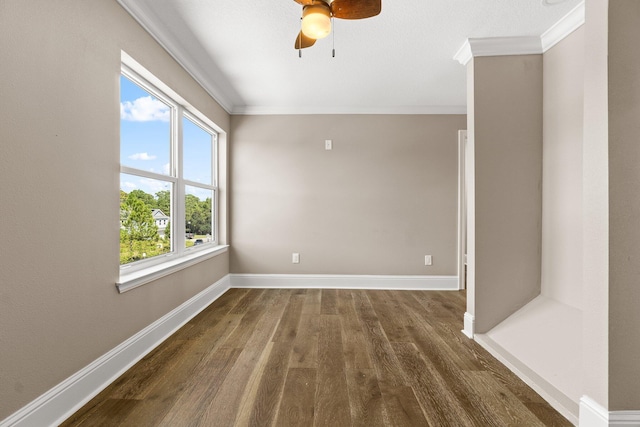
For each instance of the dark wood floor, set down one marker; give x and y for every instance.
(321, 358)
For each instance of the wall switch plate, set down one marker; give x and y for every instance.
(295, 258)
(328, 144)
(428, 260)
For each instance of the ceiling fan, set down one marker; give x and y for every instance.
(317, 14)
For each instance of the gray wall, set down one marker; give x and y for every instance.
(624, 205)
(59, 168)
(384, 197)
(506, 212)
(563, 110)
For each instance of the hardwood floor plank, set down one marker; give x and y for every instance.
(354, 345)
(288, 327)
(430, 342)
(249, 396)
(384, 360)
(150, 370)
(328, 301)
(223, 410)
(332, 395)
(388, 317)
(209, 317)
(298, 398)
(305, 345)
(202, 386)
(365, 397)
(108, 412)
(498, 403)
(247, 300)
(432, 391)
(436, 306)
(402, 406)
(269, 393)
(250, 319)
(312, 302)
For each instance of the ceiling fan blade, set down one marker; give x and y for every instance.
(303, 41)
(355, 9)
(304, 2)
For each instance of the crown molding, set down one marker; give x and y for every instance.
(500, 46)
(418, 110)
(141, 15)
(464, 54)
(497, 46)
(565, 26)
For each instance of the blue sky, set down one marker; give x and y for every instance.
(145, 142)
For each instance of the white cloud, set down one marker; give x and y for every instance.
(152, 186)
(145, 109)
(142, 156)
(128, 185)
(200, 193)
(165, 169)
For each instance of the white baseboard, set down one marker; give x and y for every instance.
(59, 403)
(592, 414)
(328, 281)
(558, 400)
(469, 324)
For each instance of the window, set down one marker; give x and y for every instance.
(168, 177)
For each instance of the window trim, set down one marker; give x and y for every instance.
(141, 272)
(150, 273)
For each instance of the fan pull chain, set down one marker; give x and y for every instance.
(300, 40)
(333, 35)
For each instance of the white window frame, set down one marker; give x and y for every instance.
(144, 271)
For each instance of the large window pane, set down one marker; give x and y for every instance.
(145, 218)
(198, 216)
(145, 129)
(197, 153)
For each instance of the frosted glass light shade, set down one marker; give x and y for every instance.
(316, 21)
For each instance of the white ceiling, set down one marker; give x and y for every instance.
(400, 61)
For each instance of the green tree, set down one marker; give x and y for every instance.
(198, 214)
(167, 231)
(138, 224)
(163, 201)
(146, 198)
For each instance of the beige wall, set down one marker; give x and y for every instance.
(596, 204)
(507, 141)
(470, 172)
(384, 197)
(624, 205)
(563, 109)
(59, 168)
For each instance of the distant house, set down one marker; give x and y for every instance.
(161, 220)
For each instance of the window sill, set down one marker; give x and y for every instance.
(141, 277)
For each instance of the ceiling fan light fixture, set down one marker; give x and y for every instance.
(316, 20)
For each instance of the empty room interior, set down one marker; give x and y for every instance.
(317, 212)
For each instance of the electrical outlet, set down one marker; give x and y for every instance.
(428, 260)
(328, 144)
(295, 258)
